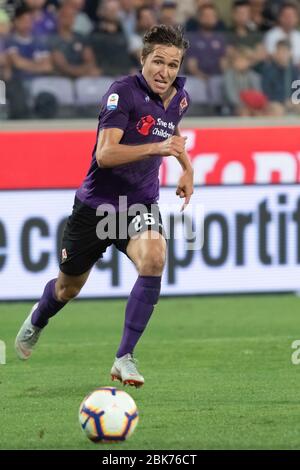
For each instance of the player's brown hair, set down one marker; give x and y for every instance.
(166, 36)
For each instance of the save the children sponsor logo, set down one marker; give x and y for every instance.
(145, 125)
(158, 127)
(163, 128)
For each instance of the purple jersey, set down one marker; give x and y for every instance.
(44, 24)
(132, 106)
(208, 50)
(29, 48)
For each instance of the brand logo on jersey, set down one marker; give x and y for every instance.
(145, 124)
(147, 99)
(182, 105)
(64, 254)
(112, 101)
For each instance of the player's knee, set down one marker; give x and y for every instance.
(152, 264)
(65, 293)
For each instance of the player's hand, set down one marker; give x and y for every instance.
(185, 187)
(172, 146)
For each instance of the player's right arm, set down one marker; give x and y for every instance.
(111, 153)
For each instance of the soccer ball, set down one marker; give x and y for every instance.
(108, 415)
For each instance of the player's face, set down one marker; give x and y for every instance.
(161, 66)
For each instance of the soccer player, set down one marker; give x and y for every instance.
(138, 125)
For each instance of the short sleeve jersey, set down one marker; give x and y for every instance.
(130, 105)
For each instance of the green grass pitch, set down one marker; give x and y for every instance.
(218, 375)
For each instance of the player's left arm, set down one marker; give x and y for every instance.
(185, 186)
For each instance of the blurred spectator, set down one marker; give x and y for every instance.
(82, 24)
(206, 15)
(278, 76)
(5, 27)
(44, 21)
(185, 10)
(146, 18)
(260, 21)
(271, 10)
(207, 46)
(71, 53)
(4, 32)
(288, 21)
(27, 55)
(242, 32)
(91, 8)
(258, 56)
(127, 16)
(242, 88)
(188, 8)
(28, 59)
(168, 13)
(10, 6)
(205, 55)
(109, 41)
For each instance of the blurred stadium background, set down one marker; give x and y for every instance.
(237, 385)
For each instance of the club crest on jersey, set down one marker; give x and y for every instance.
(182, 105)
(145, 124)
(147, 99)
(112, 101)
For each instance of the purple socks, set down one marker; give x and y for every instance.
(48, 306)
(140, 305)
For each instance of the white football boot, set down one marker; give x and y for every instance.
(27, 337)
(124, 369)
